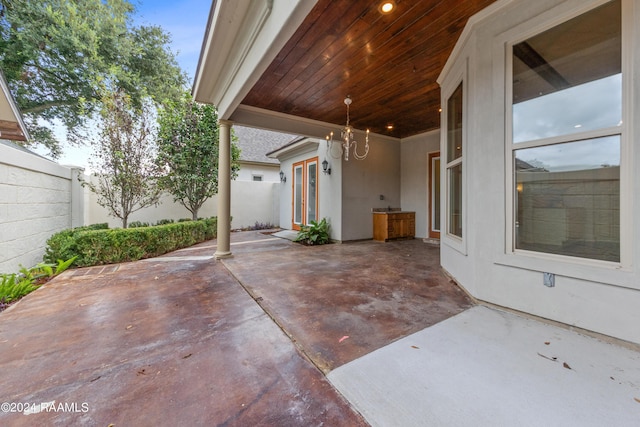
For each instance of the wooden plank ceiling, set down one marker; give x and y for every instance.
(388, 64)
(11, 130)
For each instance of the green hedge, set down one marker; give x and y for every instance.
(96, 247)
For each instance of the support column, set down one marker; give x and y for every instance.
(224, 191)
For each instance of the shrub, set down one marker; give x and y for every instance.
(138, 224)
(261, 226)
(316, 233)
(62, 245)
(165, 221)
(96, 247)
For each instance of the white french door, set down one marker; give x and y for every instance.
(305, 192)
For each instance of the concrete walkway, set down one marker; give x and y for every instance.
(486, 367)
(185, 340)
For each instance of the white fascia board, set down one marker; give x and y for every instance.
(243, 39)
(301, 146)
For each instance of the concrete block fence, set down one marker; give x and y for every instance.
(38, 197)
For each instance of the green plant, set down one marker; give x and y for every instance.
(165, 221)
(137, 224)
(188, 152)
(316, 233)
(15, 286)
(62, 245)
(96, 247)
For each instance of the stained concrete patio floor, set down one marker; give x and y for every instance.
(185, 340)
(173, 340)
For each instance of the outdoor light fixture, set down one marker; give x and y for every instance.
(282, 177)
(347, 140)
(325, 167)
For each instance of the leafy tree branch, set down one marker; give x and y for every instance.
(58, 56)
(188, 146)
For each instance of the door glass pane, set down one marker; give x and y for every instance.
(311, 191)
(297, 203)
(435, 191)
(568, 199)
(455, 200)
(454, 125)
(567, 79)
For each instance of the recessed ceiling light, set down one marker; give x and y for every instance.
(386, 7)
(389, 127)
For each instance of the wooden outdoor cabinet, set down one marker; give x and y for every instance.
(394, 225)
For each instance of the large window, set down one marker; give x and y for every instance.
(454, 162)
(567, 136)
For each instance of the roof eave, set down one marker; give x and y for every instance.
(242, 39)
(15, 115)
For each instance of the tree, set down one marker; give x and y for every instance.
(126, 174)
(58, 55)
(188, 152)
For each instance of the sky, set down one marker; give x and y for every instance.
(186, 21)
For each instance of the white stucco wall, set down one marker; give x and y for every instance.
(415, 177)
(329, 186)
(269, 173)
(348, 195)
(598, 296)
(37, 199)
(364, 181)
(251, 202)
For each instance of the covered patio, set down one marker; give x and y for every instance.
(487, 120)
(181, 339)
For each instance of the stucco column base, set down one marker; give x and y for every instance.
(222, 255)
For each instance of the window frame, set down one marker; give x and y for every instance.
(624, 131)
(458, 77)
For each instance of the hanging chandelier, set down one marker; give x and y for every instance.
(347, 140)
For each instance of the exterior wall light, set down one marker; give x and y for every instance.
(325, 167)
(282, 177)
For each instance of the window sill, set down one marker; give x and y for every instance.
(608, 273)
